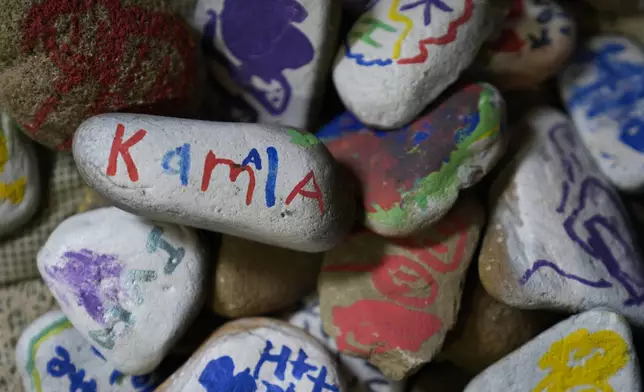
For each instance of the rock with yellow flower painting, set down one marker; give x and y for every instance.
(592, 351)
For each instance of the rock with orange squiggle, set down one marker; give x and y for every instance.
(393, 301)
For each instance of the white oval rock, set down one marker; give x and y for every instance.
(399, 56)
(130, 286)
(19, 177)
(269, 184)
(603, 91)
(257, 354)
(53, 356)
(592, 351)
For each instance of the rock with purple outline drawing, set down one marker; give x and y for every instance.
(129, 285)
(558, 237)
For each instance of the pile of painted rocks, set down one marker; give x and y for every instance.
(321, 195)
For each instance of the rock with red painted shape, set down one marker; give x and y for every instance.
(266, 183)
(393, 301)
(63, 61)
(411, 177)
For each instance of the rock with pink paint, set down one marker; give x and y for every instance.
(267, 183)
(130, 286)
(401, 55)
(392, 301)
(52, 355)
(410, 178)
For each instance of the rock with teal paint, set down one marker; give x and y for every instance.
(411, 177)
(266, 183)
(130, 286)
(52, 355)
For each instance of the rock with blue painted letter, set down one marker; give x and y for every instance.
(270, 184)
(129, 285)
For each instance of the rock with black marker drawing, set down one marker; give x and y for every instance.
(558, 237)
(269, 184)
(399, 57)
(129, 285)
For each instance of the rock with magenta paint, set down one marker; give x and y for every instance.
(603, 90)
(258, 354)
(52, 355)
(592, 351)
(411, 177)
(20, 190)
(536, 40)
(558, 237)
(129, 285)
(394, 300)
(401, 55)
(270, 184)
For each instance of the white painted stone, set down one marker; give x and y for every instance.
(52, 355)
(603, 91)
(361, 376)
(393, 63)
(592, 351)
(130, 286)
(558, 237)
(257, 355)
(19, 177)
(289, 192)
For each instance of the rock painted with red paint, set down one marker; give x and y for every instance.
(400, 56)
(63, 61)
(130, 286)
(270, 184)
(411, 177)
(393, 301)
(536, 40)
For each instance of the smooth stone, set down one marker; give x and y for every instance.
(129, 285)
(602, 91)
(619, 7)
(163, 168)
(535, 42)
(359, 374)
(19, 177)
(399, 57)
(590, 351)
(411, 177)
(53, 356)
(275, 54)
(558, 237)
(393, 301)
(440, 377)
(253, 353)
(252, 279)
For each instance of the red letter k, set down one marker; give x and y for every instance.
(118, 147)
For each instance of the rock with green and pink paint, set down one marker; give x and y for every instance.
(129, 285)
(52, 355)
(409, 178)
(266, 183)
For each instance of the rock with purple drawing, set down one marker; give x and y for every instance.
(129, 285)
(603, 91)
(266, 183)
(402, 54)
(558, 237)
(274, 53)
(258, 354)
(51, 355)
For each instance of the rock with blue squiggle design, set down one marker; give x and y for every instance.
(604, 91)
(52, 355)
(129, 285)
(558, 237)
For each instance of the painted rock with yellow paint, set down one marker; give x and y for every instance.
(52, 355)
(558, 237)
(393, 301)
(592, 351)
(20, 191)
(409, 178)
(400, 55)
